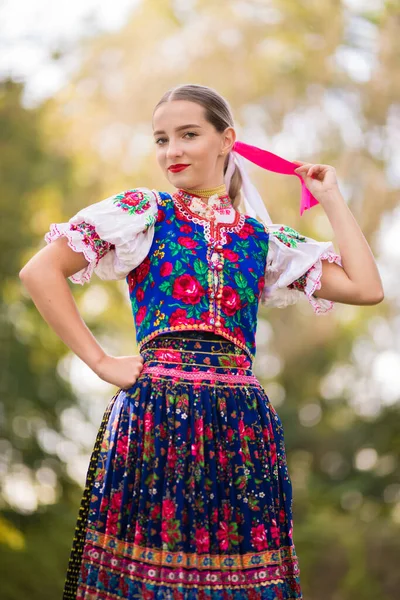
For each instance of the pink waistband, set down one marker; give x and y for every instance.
(201, 375)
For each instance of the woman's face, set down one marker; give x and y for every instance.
(184, 137)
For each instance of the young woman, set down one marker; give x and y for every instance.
(188, 495)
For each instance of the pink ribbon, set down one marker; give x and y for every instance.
(273, 162)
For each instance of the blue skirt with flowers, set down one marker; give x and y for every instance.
(188, 495)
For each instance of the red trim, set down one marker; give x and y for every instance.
(215, 226)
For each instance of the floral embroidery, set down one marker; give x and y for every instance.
(215, 221)
(300, 283)
(150, 221)
(134, 202)
(200, 274)
(288, 236)
(169, 496)
(91, 238)
(213, 209)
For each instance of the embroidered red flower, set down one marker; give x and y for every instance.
(227, 511)
(246, 230)
(199, 427)
(133, 198)
(140, 315)
(208, 432)
(230, 255)
(148, 421)
(160, 215)
(168, 509)
(140, 294)
(179, 317)
(166, 269)
(104, 577)
(250, 433)
(202, 539)
(131, 281)
(238, 333)
(116, 501)
(139, 537)
(258, 537)
(223, 458)
(155, 511)
(230, 301)
(112, 523)
(188, 289)
(261, 283)
(168, 355)
(185, 228)
(142, 270)
(122, 446)
(275, 532)
(206, 316)
(132, 201)
(241, 360)
(187, 242)
(147, 594)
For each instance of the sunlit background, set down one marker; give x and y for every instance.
(309, 80)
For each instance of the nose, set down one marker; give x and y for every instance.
(173, 149)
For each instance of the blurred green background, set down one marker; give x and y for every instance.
(311, 80)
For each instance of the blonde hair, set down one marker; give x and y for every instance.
(218, 113)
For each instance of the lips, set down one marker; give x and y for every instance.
(177, 168)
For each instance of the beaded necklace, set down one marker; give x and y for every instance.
(218, 197)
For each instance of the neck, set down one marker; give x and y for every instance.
(220, 190)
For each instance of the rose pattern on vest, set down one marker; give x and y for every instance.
(200, 273)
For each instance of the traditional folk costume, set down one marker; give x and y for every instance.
(188, 495)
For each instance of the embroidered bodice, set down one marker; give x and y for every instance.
(195, 265)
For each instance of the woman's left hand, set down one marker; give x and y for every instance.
(321, 180)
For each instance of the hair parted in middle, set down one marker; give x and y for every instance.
(217, 112)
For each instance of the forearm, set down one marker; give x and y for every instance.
(357, 258)
(53, 298)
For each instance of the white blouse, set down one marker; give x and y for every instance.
(115, 236)
(294, 268)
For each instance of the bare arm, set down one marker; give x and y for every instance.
(44, 277)
(358, 281)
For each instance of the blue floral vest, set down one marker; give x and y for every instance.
(200, 275)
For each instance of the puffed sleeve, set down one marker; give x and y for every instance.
(294, 268)
(114, 234)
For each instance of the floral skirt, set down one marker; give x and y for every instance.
(188, 495)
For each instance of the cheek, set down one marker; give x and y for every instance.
(160, 157)
(203, 153)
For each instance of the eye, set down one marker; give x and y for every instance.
(160, 141)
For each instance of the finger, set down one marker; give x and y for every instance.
(316, 170)
(303, 169)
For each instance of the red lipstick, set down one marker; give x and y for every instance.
(177, 168)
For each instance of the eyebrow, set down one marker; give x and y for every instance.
(178, 128)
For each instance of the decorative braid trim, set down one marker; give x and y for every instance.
(320, 305)
(201, 375)
(222, 228)
(75, 242)
(77, 551)
(197, 327)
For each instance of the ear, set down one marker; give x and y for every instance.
(227, 140)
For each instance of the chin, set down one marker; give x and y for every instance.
(179, 180)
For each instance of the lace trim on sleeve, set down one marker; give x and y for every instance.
(310, 282)
(82, 237)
